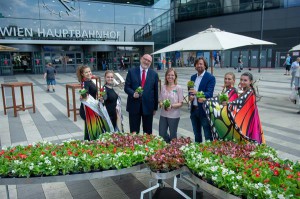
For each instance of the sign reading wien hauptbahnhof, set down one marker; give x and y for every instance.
(59, 33)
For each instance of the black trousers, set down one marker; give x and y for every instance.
(135, 122)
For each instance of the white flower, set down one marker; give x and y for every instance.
(214, 178)
(30, 167)
(214, 168)
(13, 171)
(235, 186)
(200, 173)
(238, 177)
(280, 196)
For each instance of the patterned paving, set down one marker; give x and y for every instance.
(50, 122)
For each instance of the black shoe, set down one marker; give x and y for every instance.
(239, 71)
(298, 112)
(48, 90)
(53, 90)
(234, 68)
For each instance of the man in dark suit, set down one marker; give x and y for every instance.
(205, 82)
(142, 106)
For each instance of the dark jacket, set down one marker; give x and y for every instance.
(149, 99)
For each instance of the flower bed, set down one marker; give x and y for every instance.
(110, 151)
(244, 169)
(169, 158)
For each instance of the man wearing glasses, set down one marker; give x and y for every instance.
(142, 106)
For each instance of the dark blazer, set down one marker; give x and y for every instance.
(149, 98)
(207, 85)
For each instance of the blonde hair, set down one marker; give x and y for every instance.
(166, 74)
(79, 72)
(230, 73)
(107, 72)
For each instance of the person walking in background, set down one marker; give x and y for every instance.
(49, 75)
(294, 67)
(170, 116)
(205, 82)
(94, 124)
(297, 85)
(110, 100)
(240, 63)
(142, 105)
(287, 64)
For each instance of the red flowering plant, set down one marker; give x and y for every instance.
(244, 169)
(110, 151)
(102, 93)
(169, 158)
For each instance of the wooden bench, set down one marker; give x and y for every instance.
(16, 107)
(74, 87)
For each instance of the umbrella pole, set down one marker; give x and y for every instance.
(211, 63)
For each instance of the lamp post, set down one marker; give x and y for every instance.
(261, 31)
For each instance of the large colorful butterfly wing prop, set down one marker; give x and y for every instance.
(222, 127)
(243, 112)
(95, 124)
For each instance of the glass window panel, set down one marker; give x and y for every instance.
(101, 30)
(19, 8)
(129, 14)
(129, 31)
(97, 12)
(151, 14)
(59, 10)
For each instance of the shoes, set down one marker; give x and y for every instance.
(239, 71)
(234, 68)
(298, 112)
(48, 90)
(53, 90)
(285, 74)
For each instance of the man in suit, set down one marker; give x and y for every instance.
(205, 82)
(142, 106)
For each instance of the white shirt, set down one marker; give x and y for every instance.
(141, 72)
(196, 86)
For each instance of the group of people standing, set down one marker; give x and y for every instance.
(145, 97)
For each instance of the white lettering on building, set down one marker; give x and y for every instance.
(13, 31)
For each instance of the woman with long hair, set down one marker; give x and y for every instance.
(95, 121)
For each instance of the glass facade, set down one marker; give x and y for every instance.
(75, 20)
(193, 9)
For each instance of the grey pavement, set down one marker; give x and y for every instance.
(278, 115)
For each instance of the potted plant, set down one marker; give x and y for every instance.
(139, 90)
(223, 97)
(166, 104)
(83, 93)
(102, 93)
(200, 94)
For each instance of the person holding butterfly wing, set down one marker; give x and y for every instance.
(244, 112)
(238, 119)
(217, 114)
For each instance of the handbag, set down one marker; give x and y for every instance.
(293, 96)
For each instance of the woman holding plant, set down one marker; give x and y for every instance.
(244, 111)
(110, 99)
(94, 124)
(229, 89)
(170, 100)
